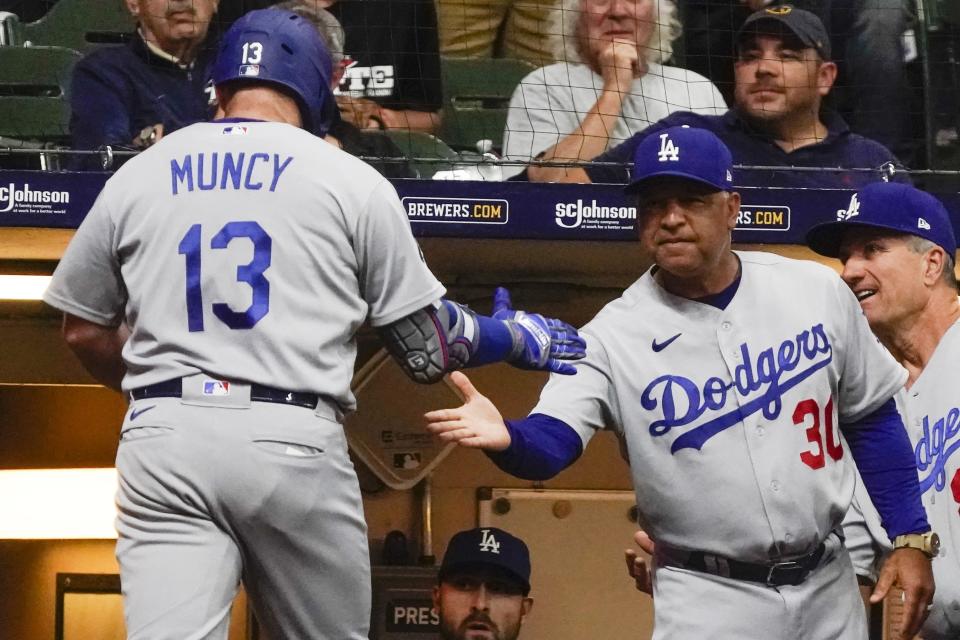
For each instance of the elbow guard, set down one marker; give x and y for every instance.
(432, 341)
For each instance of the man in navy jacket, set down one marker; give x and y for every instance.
(128, 96)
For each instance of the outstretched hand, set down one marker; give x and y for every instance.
(542, 343)
(910, 570)
(476, 423)
(637, 566)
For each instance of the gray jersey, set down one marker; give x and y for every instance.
(731, 417)
(931, 409)
(249, 251)
(931, 413)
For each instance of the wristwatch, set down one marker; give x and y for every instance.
(928, 542)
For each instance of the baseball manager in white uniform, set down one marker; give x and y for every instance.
(220, 280)
(729, 377)
(898, 247)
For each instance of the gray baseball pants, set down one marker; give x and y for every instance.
(692, 604)
(253, 491)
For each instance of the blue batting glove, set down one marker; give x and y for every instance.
(538, 342)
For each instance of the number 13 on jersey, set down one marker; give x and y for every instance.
(191, 246)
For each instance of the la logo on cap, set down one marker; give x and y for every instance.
(668, 150)
(923, 224)
(779, 11)
(852, 210)
(488, 543)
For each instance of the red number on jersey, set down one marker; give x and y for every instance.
(834, 448)
(834, 445)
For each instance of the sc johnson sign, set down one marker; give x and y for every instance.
(590, 215)
(30, 200)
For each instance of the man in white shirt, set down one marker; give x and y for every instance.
(610, 85)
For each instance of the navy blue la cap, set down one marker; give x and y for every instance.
(491, 547)
(806, 26)
(683, 152)
(894, 206)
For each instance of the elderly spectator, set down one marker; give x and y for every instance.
(783, 73)
(130, 95)
(611, 86)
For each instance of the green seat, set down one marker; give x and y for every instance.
(476, 98)
(80, 25)
(35, 93)
(942, 12)
(30, 155)
(424, 152)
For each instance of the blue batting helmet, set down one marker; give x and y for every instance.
(281, 48)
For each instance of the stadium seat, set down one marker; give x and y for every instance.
(420, 148)
(941, 12)
(34, 93)
(29, 155)
(80, 25)
(476, 96)
(11, 33)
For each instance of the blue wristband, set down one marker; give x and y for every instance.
(494, 341)
(541, 446)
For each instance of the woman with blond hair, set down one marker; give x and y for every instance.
(610, 83)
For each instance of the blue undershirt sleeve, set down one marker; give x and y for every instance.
(541, 446)
(494, 341)
(884, 456)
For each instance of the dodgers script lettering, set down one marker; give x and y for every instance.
(805, 354)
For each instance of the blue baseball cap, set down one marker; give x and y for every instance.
(488, 546)
(806, 26)
(683, 152)
(894, 206)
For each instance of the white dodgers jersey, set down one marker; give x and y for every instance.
(731, 416)
(931, 413)
(250, 251)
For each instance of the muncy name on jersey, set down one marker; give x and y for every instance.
(227, 170)
(805, 354)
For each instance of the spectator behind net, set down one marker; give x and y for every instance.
(867, 35)
(610, 85)
(394, 81)
(128, 96)
(369, 145)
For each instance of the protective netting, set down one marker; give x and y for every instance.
(492, 89)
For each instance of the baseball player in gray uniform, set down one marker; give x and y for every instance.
(729, 377)
(897, 247)
(220, 279)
